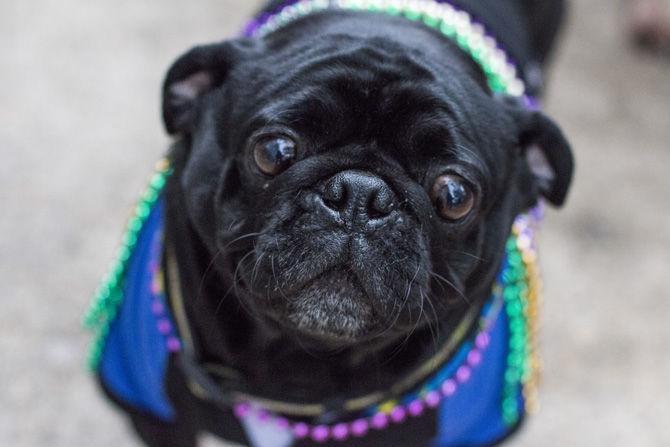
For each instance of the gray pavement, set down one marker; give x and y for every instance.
(80, 130)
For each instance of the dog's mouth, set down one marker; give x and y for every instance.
(325, 281)
(333, 308)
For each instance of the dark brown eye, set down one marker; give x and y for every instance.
(452, 196)
(274, 154)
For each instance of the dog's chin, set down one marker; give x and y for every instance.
(332, 310)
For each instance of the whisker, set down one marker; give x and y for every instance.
(209, 267)
(402, 344)
(452, 285)
(244, 236)
(471, 255)
(235, 287)
(435, 334)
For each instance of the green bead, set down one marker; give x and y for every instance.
(517, 343)
(151, 195)
(431, 21)
(134, 224)
(497, 86)
(158, 182)
(515, 308)
(130, 239)
(142, 210)
(118, 270)
(518, 326)
(462, 41)
(103, 292)
(510, 418)
(448, 29)
(510, 405)
(412, 14)
(514, 258)
(515, 359)
(511, 376)
(124, 254)
(509, 276)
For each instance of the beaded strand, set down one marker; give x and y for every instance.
(159, 308)
(455, 24)
(109, 295)
(518, 286)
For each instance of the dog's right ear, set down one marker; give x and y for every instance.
(195, 73)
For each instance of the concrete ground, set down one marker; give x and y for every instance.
(80, 130)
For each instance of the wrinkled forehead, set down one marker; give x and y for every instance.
(363, 79)
(345, 89)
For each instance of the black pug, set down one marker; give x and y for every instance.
(341, 196)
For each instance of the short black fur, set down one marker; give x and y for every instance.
(307, 304)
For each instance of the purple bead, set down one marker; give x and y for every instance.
(482, 340)
(531, 102)
(263, 415)
(300, 430)
(359, 427)
(449, 388)
(320, 433)
(463, 374)
(155, 288)
(524, 240)
(398, 414)
(164, 326)
(341, 432)
(415, 408)
(242, 410)
(173, 344)
(282, 423)
(379, 421)
(474, 357)
(251, 29)
(433, 399)
(157, 307)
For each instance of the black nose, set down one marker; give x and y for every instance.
(358, 196)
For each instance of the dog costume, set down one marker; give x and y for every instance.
(475, 390)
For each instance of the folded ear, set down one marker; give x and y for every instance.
(546, 152)
(195, 73)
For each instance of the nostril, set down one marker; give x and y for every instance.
(357, 197)
(335, 194)
(381, 204)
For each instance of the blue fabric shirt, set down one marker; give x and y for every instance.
(134, 361)
(135, 356)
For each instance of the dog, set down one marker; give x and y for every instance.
(326, 243)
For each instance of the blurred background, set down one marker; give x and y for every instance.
(79, 135)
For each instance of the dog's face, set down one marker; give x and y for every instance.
(357, 184)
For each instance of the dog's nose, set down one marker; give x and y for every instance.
(358, 196)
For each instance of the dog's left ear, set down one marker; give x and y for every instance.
(195, 73)
(547, 153)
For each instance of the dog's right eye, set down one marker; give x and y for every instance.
(274, 154)
(453, 197)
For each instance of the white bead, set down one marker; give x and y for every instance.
(478, 29)
(509, 71)
(516, 88)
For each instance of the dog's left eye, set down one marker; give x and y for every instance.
(452, 196)
(274, 154)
